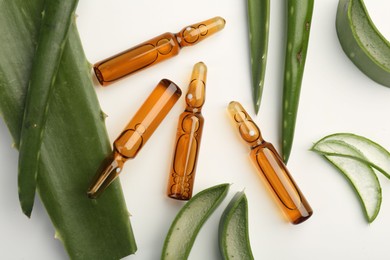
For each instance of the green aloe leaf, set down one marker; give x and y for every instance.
(258, 21)
(372, 153)
(362, 42)
(57, 17)
(359, 173)
(75, 139)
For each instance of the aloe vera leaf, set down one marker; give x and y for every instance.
(57, 17)
(233, 231)
(258, 21)
(362, 178)
(19, 28)
(75, 140)
(362, 42)
(190, 219)
(372, 153)
(299, 17)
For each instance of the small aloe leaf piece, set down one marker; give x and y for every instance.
(57, 18)
(371, 152)
(188, 222)
(362, 42)
(361, 176)
(258, 21)
(233, 230)
(75, 140)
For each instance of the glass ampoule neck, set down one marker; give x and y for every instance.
(194, 110)
(257, 143)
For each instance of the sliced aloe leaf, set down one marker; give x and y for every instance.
(361, 176)
(233, 230)
(188, 222)
(370, 152)
(75, 140)
(362, 42)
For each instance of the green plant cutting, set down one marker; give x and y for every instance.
(188, 222)
(356, 157)
(371, 152)
(362, 42)
(299, 16)
(258, 21)
(88, 229)
(233, 232)
(57, 17)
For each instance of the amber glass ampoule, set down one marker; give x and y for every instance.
(154, 50)
(271, 166)
(188, 137)
(136, 133)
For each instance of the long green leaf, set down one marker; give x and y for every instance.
(75, 140)
(57, 17)
(299, 16)
(258, 20)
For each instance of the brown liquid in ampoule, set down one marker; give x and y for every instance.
(154, 51)
(188, 137)
(271, 167)
(136, 134)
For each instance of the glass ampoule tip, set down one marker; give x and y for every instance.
(193, 34)
(107, 173)
(247, 128)
(199, 71)
(218, 22)
(196, 94)
(237, 111)
(212, 26)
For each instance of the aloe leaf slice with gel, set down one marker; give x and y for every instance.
(361, 176)
(362, 42)
(233, 230)
(187, 223)
(371, 152)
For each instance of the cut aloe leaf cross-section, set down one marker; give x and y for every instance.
(233, 234)
(371, 152)
(190, 219)
(364, 45)
(351, 162)
(364, 181)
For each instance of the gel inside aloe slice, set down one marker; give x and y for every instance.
(233, 230)
(355, 156)
(188, 222)
(362, 42)
(370, 152)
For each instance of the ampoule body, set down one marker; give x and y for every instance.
(271, 167)
(136, 134)
(188, 137)
(154, 50)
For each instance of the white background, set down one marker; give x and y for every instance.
(336, 97)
